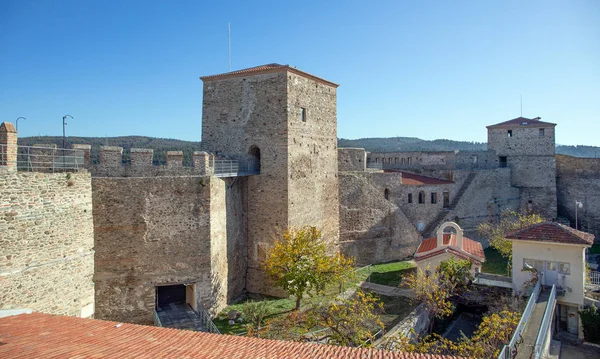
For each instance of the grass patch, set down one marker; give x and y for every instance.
(594, 249)
(275, 306)
(388, 273)
(494, 262)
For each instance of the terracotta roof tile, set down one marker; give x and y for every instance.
(552, 232)
(474, 248)
(39, 335)
(264, 69)
(521, 122)
(415, 179)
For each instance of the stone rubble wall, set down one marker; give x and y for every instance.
(352, 159)
(112, 163)
(373, 229)
(237, 114)
(578, 179)
(47, 242)
(157, 231)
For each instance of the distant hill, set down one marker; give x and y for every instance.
(390, 144)
(401, 144)
(398, 144)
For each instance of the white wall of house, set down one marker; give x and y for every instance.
(551, 260)
(435, 261)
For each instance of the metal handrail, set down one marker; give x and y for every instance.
(41, 159)
(512, 346)
(207, 322)
(540, 341)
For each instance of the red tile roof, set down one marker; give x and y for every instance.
(48, 336)
(415, 179)
(522, 121)
(473, 248)
(552, 232)
(265, 69)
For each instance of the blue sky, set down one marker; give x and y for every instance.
(427, 69)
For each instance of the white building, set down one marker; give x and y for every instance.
(558, 253)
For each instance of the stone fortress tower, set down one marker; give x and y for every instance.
(284, 121)
(527, 147)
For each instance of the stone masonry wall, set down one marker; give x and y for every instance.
(46, 242)
(237, 114)
(578, 179)
(313, 194)
(374, 229)
(158, 231)
(352, 159)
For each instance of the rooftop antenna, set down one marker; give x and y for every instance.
(521, 105)
(229, 43)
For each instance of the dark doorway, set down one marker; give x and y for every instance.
(446, 196)
(254, 159)
(503, 161)
(170, 294)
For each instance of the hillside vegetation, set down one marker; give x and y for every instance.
(391, 144)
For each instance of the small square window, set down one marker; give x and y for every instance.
(541, 132)
(564, 268)
(303, 114)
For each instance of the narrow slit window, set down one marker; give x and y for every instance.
(303, 114)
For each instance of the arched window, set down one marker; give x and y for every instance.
(254, 159)
(386, 194)
(422, 197)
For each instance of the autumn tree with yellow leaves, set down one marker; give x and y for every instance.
(300, 264)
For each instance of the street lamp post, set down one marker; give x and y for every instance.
(577, 206)
(20, 118)
(64, 126)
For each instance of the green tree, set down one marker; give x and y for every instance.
(299, 263)
(509, 221)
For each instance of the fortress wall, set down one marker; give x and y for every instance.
(352, 159)
(487, 196)
(158, 231)
(313, 194)
(140, 165)
(426, 212)
(239, 113)
(414, 159)
(476, 160)
(524, 140)
(46, 242)
(374, 229)
(578, 179)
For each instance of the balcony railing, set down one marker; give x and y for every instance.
(41, 159)
(592, 280)
(231, 168)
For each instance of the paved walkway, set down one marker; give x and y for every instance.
(387, 290)
(180, 316)
(525, 349)
(570, 351)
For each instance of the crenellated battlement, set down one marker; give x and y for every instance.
(140, 163)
